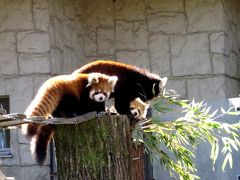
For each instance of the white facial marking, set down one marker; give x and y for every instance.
(135, 113)
(92, 92)
(99, 97)
(108, 95)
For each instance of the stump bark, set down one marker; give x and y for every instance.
(137, 159)
(96, 149)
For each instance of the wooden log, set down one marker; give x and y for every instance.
(96, 149)
(137, 153)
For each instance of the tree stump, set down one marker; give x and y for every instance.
(96, 149)
(137, 154)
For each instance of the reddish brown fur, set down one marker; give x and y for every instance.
(53, 89)
(115, 66)
(51, 92)
(103, 85)
(50, 95)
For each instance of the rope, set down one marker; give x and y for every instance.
(75, 120)
(18, 119)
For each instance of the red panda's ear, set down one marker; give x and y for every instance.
(113, 80)
(146, 104)
(163, 82)
(92, 79)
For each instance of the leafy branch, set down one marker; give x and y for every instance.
(174, 142)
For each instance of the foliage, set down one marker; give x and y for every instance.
(174, 142)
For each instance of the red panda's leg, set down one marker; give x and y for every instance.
(122, 105)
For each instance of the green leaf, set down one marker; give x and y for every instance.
(228, 158)
(214, 152)
(222, 110)
(162, 109)
(174, 142)
(233, 113)
(233, 144)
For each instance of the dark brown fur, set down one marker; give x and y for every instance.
(132, 82)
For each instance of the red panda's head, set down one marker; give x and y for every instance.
(101, 86)
(138, 108)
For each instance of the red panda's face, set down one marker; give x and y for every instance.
(138, 108)
(101, 86)
(98, 95)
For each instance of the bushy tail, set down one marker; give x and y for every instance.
(39, 143)
(29, 130)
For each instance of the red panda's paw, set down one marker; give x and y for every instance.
(112, 111)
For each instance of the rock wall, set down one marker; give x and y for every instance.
(188, 41)
(24, 63)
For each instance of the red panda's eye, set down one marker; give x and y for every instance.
(96, 93)
(105, 94)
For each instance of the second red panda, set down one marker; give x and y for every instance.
(65, 96)
(132, 82)
(138, 108)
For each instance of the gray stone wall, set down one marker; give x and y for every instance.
(66, 36)
(193, 42)
(24, 64)
(232, 42)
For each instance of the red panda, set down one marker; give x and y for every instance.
(65, 96)
(138, 108)
(132, 82)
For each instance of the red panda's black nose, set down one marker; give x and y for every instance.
(101, 98)
(135, 114)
